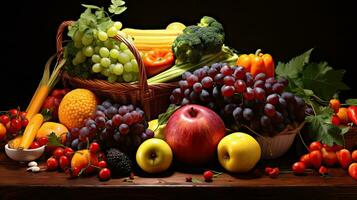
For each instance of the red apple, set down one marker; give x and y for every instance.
(193, 132)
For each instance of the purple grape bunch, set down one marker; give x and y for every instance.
(113, 125)
(259, 102)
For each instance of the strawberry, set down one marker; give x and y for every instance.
(344, 158)
(49, 102)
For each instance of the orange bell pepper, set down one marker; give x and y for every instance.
(157, 61)
(257, 63)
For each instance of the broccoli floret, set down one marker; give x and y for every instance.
(207, 21)
(205, 38)
(187, 47)
(191, 29)
(211, 40)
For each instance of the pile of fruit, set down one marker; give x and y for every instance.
(218, 95)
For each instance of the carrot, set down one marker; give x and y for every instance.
(44, 88)
(31, 131)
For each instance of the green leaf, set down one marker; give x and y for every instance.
(100, 14)
(351, 102)
(322, 130)
(118, 2)
(323, 80)
(53, 140)
(105, 24)
(294, 66)
(163, 117)
(72, 30)
(91, 6)
(116, 10)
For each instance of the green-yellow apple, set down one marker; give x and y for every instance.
(238, 152)
(154, 156)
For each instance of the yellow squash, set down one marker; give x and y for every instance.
(31, 131)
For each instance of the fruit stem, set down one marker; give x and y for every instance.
(193, 112)
(153, 155)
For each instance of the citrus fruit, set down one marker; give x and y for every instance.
(75, 107)
(48, 127)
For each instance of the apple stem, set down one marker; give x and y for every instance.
(193, 112)
(153, 155)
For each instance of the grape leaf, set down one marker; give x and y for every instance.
(294, 67)
(351, 102)
(321, 129)
(323, 80)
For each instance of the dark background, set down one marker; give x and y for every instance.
(282, 28)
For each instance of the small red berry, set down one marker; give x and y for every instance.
(104, 174)
(22, 115)
(16, 124)
(315, 146)
(94, 147)
(299, 168)
(34, 145)
(75, 171)
(58, 152)
(64, 162)
(13, 113)
(335, 120)
(208, 175)
(68, 152)
(268, 170)
(24, 122)
(102, 164)
(52, 163)
(4, 119)
(323, 171)
(274, 173)
(42, 141)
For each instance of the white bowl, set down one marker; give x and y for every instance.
(25, 154)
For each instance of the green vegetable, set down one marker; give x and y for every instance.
(315, 83)
(225, 55)
(198, 40)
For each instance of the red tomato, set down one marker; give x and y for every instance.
(315, 158)
(34, 145)
(352, 170)
(58, 152)
(52, 163)
(315, 146)
(354, 155)
(64, 162)
(299, 168)
(306, 160)
(104, 174)
(323, 171)
(344, 158)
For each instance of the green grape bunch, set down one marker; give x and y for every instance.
(93, 53)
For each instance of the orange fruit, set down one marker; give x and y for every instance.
(75, 107)
(81, 160)
(342, 115)
(48, 127)
(335, 104)
(2, 131)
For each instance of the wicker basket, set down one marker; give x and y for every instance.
(154, 99)
(274, 147)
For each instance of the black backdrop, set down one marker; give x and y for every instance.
(283, 28)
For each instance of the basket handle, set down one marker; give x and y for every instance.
(143, 84)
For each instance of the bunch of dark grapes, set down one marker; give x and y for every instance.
(113, 125)
(240, 99)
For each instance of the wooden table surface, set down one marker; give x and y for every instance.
(16, 183)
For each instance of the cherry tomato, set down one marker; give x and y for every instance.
(4, 119)
(16, 124)
(306, 160)
(22, 115)
(323, 171)
(94, 147)
(274, 172)
(104, 174)
(299, 168)
(352, 170)
(354, 155)
(208, 175)
(335, 120)
(58, 152)
(335, 104)
(315, 158)
(315, 146)
(34, 145)
(102, 164)
(24, 122)
(13, 113)
(68, 152)
(268, 170)
(52, 163)
(344, 158)
(42, 141)
(64, 162)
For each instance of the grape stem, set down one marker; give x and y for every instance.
(302, 140)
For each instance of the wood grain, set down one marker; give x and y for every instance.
(16, 183)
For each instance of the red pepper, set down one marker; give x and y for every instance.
(157, 61)
(352, 114)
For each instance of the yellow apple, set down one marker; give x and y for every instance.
(154, 156)
(158, 130)
(238, 152)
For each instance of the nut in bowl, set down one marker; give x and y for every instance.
(23, 155)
